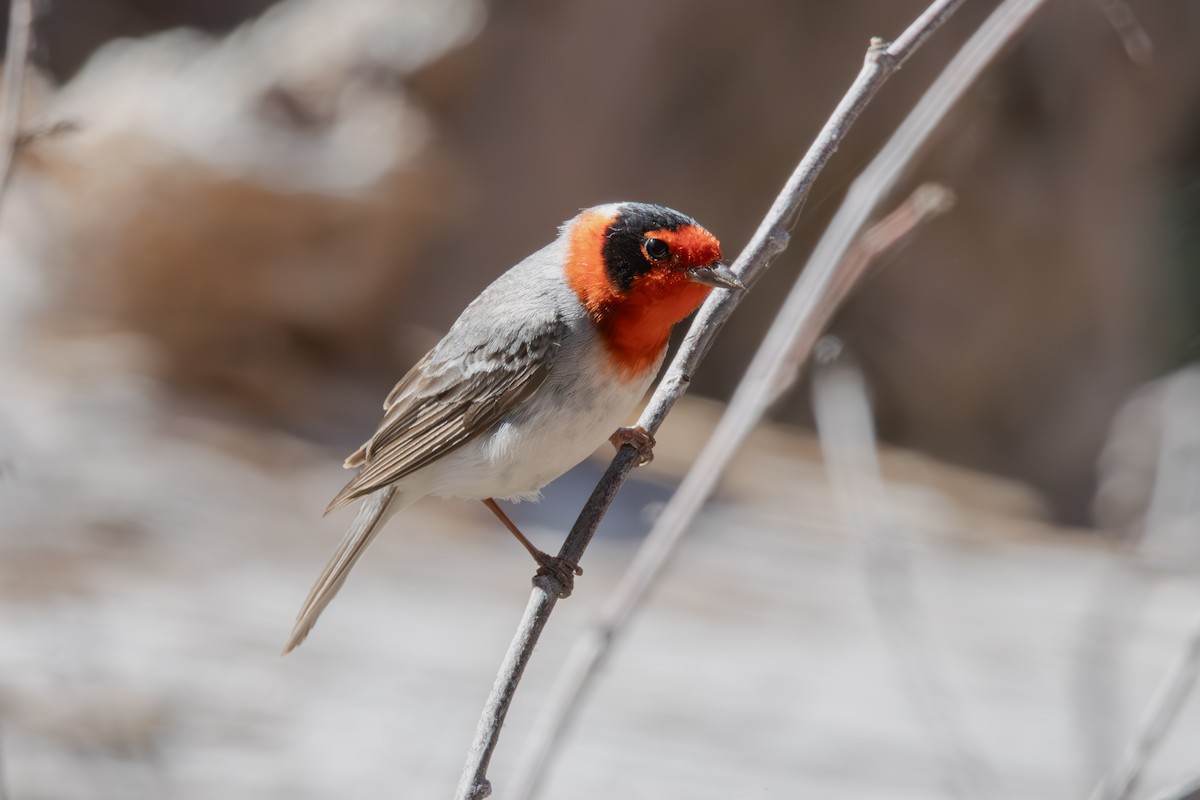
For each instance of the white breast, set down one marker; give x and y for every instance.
(574, 412)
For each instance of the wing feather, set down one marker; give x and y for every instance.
(444, 402)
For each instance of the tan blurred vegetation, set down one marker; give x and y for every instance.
(312, 201)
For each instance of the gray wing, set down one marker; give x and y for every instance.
(459, 390)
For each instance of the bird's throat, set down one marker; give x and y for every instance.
(635, 321)
(636, 326)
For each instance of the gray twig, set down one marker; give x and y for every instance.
(768, 241)
(929, 200)
(1100, 705)
(1154, 530)
(4, 794)
(1181, 791)
(843, 414)
(16, 56)
(757, 390)
(1137, 43)
(1120, 781)
(804, 314)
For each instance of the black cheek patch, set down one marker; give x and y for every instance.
(622, 252)
(623, 260)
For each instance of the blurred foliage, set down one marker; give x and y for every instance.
(337, 199)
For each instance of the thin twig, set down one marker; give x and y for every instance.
(1110, 625)
(1147, 551)
(1180, 791)
(755, 393)
(847, 432)
(768, 241)
(16, 56)
(4, 794)
(1119, 783)
(796, 328)
(1137, 43)
(929, 200)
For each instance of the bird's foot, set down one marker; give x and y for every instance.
(639, 439)
(558, 565)
(562, 570)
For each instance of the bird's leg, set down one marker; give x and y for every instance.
(639, 439)
(563, 568)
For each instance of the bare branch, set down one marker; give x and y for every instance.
(928, 201)
(755, 393)
(844, 422)
(805, 313)
(1137, 43)
(4, 793)
(1119, 783)
(1154, 529)
(768, 241)
(1099, 667)
(1182, 791)
(16, 56)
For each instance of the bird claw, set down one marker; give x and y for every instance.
(563, 570)
(639, 439)
(558, 564)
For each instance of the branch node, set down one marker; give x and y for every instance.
(778, 242)
(878, 54)
(932, 199)
(480, 790)
(553, 584)
(828, 349)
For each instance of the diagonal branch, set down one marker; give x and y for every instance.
(1134, 38)
(1180, 791)
(1164, 706)
(808, 308)
(768, 241)
(16, 56)
(843, 415)
(755, 393)
(1146, 555)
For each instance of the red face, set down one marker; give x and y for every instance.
(639, 269)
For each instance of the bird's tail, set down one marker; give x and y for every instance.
(374, 512)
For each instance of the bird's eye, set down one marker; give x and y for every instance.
(657, 249)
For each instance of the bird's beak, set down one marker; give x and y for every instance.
(717, 275)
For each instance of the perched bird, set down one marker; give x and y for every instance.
(538, 371)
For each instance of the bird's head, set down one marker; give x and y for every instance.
(638, 269)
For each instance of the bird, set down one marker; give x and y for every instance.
(543, 366)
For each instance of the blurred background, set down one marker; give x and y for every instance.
(237, 222)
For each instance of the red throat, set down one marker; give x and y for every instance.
(636, 324)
